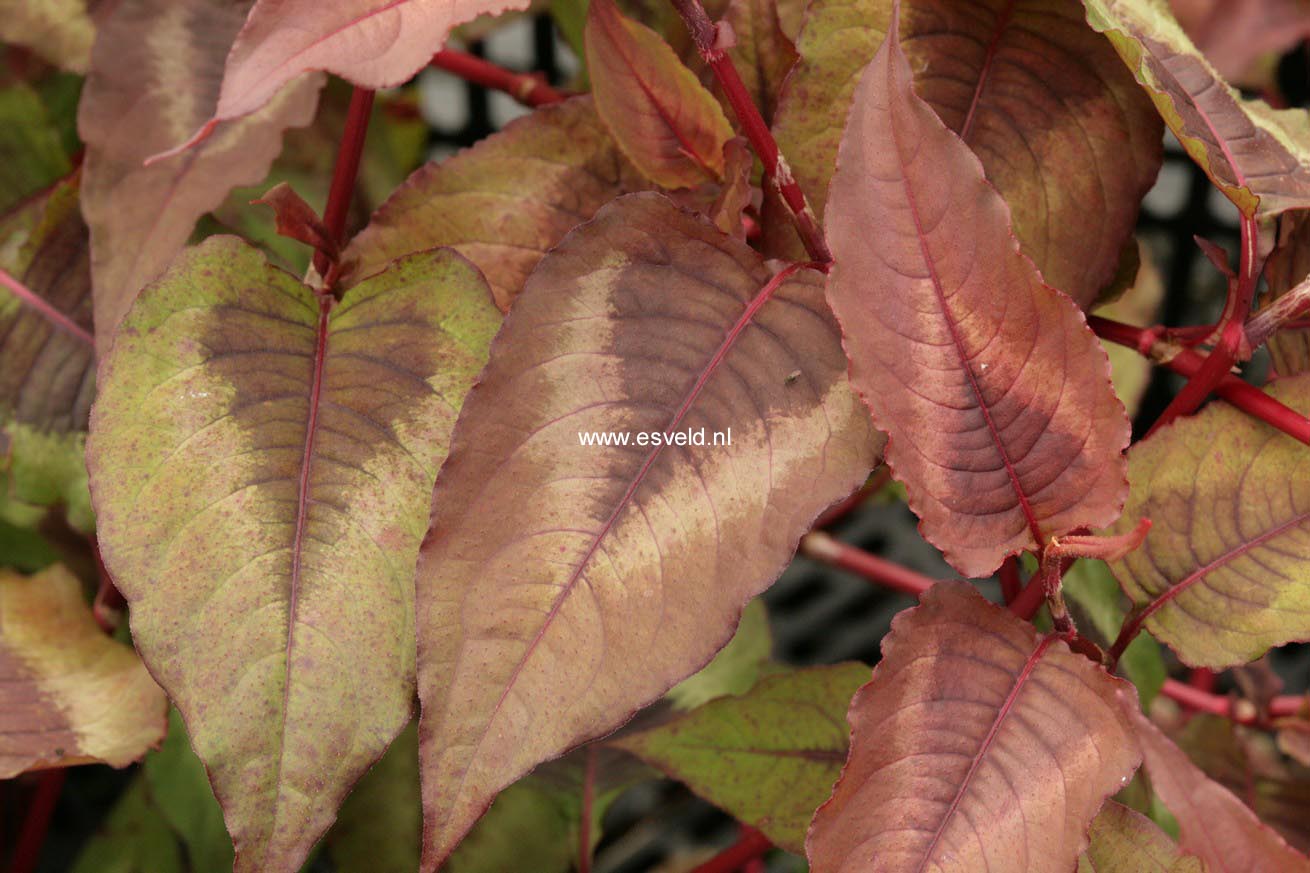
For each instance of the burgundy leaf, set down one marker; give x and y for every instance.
(564, 586)
(995, 395)
(979, 744)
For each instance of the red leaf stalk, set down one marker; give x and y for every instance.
(1187, 362)
(838, 511)
(345, 172)
(31, 299)
(588, 801)
(1232, 343)
(1240, 711)
(530, 89)
(37, 823)
(705, 34)
(750, 845)
(821, 547)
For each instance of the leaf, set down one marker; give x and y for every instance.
(166, 822)
(31, 155)
(737, 666)
(68, 693)
(540, 816)
(381, 822)
(1223, 574)
(664, 120)
(1060, 128)
(768, 757)
(1253, 154)
(761, 51)
(1124, 841)
(979, 744)
(296, 219)
(47, 368)
(1213, 824)
(1090, 585)
(537, 818)
(1139, 305)
(1244, 40)
(1249, 764)
(261, 462)
(994, 394)
(506, 201)
(646, 319)
(1287, 267)
(60, 31)
(140, 217)
(373, 43)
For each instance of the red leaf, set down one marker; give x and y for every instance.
(995, 395)
(373, 43)
(979, 744)
(1212, 823)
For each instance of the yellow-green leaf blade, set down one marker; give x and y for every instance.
(262, 473)
(1227, 562)
(68, 693)
(770, 756)
(1125, 841)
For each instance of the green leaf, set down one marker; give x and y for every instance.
(1040, 99)
(506, 201)
(1258, 157)
(735, 668)
(1090, 585)
(1224, 573)
(47, 367)
(1125, 841)
(22, 549)
(261, 462)
(381, 823)
(31, 154)
(768, 757)
(134, 838)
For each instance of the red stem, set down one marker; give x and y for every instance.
(1187, 362)
(705, 34)
(345, 172)
(35, 301)
(838, 511)
(1202, 679)
(750, 845)
(37, 823)
(1232, 335)
(530, 89)
(1030, 599)
(821, 547)
(588, 801)
(1240, 711)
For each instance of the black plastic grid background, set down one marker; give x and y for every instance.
(818, 615)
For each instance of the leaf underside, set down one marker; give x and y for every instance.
(261, 468)
(978, 745)
(1125, 841)
(1255, 155)
(552, 568)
